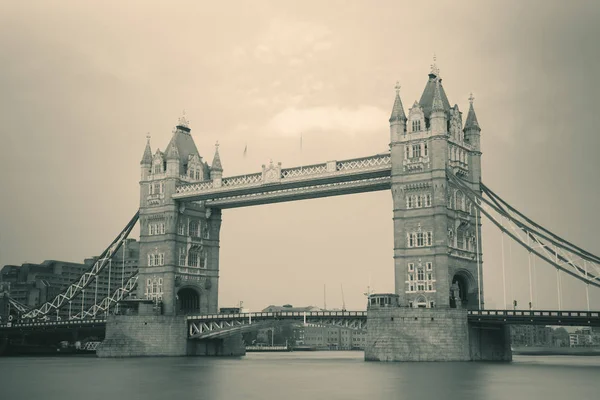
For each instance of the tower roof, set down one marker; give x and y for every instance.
(182, 143)
(471, 122)
(398, 108)
(437, 104)
(428, 95)
(216, 164)
(147, 157)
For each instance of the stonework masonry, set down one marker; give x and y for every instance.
(422, 334)
(160, 335)
(139, 336)
(417, 334)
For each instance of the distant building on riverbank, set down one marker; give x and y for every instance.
(35, 284)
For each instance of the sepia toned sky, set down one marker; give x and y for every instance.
(82, 84)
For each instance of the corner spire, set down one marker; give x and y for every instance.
(183, 123)
(216, 163)
(435, 71)
(437, 104)
(398, 108)
(471, 122)
(147, 157)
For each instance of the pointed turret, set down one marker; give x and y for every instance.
(398, 118)
(437, 104)
(471, 122)
(216, 164)
(216, 170)
(146, 162)
(173, 162)
(147, 157)
(398, 109)
(437, 118)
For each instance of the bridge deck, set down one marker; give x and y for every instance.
(346, 319)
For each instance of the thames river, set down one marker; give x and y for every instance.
(300, 375)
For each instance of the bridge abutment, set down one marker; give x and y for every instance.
(229, 346)
(490, 342)
(417, 334)
(141, 335)
(430, 334)
(160, 335)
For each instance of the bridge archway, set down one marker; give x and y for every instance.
(465, 283)
(188, 301)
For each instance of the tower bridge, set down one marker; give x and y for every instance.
(437, 312)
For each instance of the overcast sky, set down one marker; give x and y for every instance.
(81, 85)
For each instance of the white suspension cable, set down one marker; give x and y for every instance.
(503, 269)
(510, 274)
(587, 287)
(530, 283)
(478, 260)
(558, 281)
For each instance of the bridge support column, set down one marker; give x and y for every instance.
(141, 335)
(417, 334)
(229, 346)
(490, 342)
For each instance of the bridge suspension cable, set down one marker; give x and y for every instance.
(559, 253)
(85, 280)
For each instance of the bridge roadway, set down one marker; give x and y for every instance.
(222, 325)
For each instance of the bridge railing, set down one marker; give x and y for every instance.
(534, 313)
(281, 314)
(276, 174)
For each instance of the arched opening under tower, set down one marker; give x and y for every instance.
(188, 301)
(459, 291)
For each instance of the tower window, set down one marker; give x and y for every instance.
(420, 239)
(416, 126)
(429, 238)
(425, 149)
(411, 267)
(194, 228)
(411, 202)
(427, 200)
(429, 266)
(419, 201)
(407, 152)
(420, 275)
(416, 150)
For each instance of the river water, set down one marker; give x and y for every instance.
(299, 375)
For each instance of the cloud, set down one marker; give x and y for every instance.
(292, 121)
(296, 40)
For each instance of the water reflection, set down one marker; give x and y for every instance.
(292, 376)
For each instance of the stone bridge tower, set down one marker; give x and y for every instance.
(179, 242)
(435, 229)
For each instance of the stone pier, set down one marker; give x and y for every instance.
(160, 335)
(430, 334)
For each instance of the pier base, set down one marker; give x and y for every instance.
(490, 342)
(160, 335)
(417, 334)
(429, 334)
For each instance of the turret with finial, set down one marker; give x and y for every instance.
(398, 118)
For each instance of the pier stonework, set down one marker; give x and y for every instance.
(417, 334)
